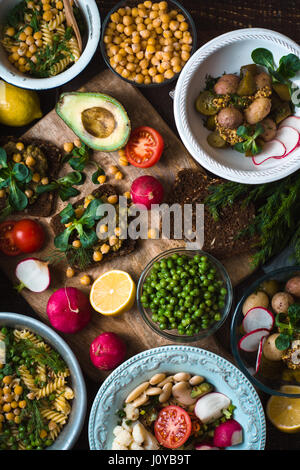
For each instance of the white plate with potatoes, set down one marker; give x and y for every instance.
(226, 54)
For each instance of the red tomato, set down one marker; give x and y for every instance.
(173, 427)
(145, 147)
(7, 244)
(28, 235)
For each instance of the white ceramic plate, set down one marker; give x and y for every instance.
(227, 53)
(10, 74)
(172, 359)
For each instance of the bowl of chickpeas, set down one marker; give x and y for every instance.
(148, 44)
(38, 50)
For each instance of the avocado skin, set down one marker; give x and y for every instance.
(95, 143)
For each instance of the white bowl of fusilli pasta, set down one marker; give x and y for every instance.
(47, 392)
(38, 50)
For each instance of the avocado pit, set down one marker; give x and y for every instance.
(99, 122)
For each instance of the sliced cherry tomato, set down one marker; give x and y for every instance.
(28, 235)
(173, 427)
(144, 147)
(7, 244)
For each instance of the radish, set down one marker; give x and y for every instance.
(33, 274)
(107, 351)
(272, 149)
(257, 318)
(146, 190)
(211, 406)
(228, 434)
(205, 446)
(259, 353)
(289, 137)
(250, 341)
(69, 310)
(291, 121)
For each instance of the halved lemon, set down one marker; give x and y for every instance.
(284, 412)
(113, 293)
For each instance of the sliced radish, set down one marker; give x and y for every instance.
(289, 137)
(33, 274)
(272, 149)
(257, 318)
(291, 121)
(250, 341)
(259, 353)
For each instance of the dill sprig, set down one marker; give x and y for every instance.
(277, 221)
(40, 355)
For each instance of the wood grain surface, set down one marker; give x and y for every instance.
(212, 18)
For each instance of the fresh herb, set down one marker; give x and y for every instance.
(78, 158)
(16, 15)
(15, 177)
(200, 390)
(289, 66)
(249, 145)
(210, 82)
(84, 226)
(79, 257)
(64, 185)
(288, 326)
(277, 205)
(48, 56)
(39, 354)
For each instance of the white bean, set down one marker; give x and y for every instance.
(132, 412)
(150, 442)
(153, 391)
(196, 380)
(182, 377)
(137, 392)
(141, 400)
(135, 446)
(117, 446)
(157, 378)
(166, 392)
(139, 433)
(117, 430)
(166, 381)
(124, 438)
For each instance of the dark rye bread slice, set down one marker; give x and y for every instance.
(128, 245)
(192, 187)
(44, 205)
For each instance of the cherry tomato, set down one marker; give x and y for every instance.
(144, 147)
(172, 427)
(7, 244)
(28, 235)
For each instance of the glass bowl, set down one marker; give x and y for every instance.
(174, 335)
(172, 3)
(271, 375)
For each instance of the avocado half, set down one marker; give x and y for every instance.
(99, 120)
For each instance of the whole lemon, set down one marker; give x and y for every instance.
(18, 107)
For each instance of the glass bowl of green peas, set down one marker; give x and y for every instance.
(184, 295)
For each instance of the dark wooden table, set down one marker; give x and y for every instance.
(212, 18)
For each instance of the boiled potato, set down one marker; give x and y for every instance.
(270, 129)
(231, 118)
(263, 79)
(281, 302)
(227, 84)
(270, 350)
(257, 299)
(293, 286)
(258, 110)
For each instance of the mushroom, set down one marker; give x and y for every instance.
(182, 392)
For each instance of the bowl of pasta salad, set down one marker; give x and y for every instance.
(42, 389)
(38, 50)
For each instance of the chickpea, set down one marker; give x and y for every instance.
(22, 404)
(85, 280)
(45, 180)
(101, 179)
(105, 248)
(2, 193)
(70, 272)
(97, 256)
(22, 36)
(76, 244)
(18, 389)
(112, 199)
(30, 161)
(36, 177)
(48, 15)
(159, 78)
(119, 175)
(103, 228)
(17, 157)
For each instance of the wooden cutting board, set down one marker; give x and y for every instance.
(130, 326)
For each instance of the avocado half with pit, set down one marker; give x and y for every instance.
(99, 120)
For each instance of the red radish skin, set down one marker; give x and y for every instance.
(69, 310)
(273, 149)
(250, 341)
(107, 351)
(145, 191)
(228, 434)
(256, 318)
(289, 137)
(205, 446)
(33, 274)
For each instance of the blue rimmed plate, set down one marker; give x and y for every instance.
(172, 359)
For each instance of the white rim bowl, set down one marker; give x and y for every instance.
(10, 74)
(227, 53)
